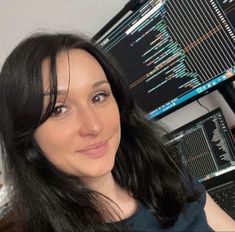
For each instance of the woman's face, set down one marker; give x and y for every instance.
(82, 135)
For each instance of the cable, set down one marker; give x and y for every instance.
(199, 103)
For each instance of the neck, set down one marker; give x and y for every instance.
(103, 184)
(107, 186)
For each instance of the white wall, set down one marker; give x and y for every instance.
(194, 110)
(19, 18)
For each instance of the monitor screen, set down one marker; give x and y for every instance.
(206, 145)
(172, 52)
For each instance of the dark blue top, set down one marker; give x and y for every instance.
(193, 218)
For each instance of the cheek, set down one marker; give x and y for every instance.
(115, 122)
(112, 119)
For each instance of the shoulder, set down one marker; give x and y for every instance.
(191, 219)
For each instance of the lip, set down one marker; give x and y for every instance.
(95, 150)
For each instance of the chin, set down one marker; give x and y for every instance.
(98, 172)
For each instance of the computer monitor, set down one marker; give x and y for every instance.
(173, 52)
(206, 146)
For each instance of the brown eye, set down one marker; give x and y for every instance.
(100, 97)
(58, 110)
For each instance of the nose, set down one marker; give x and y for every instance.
(90, 122)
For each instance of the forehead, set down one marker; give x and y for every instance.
(73, 65)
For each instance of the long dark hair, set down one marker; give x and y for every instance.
(44, 198)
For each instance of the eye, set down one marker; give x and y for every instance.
(58, 110)
(100, 97)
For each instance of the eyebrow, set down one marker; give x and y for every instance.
(98, 83)
(64, 92)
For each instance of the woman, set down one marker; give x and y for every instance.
(80, 156)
